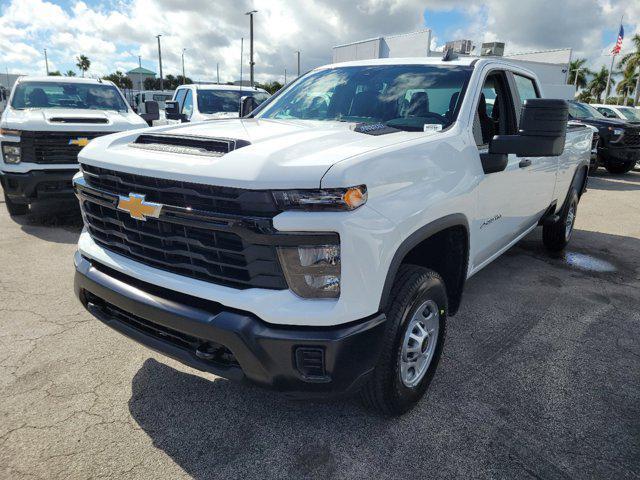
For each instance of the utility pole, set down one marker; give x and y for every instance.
(184, 79)
(251, 62)
(575, 80)
(285, 76)
(241, 60)
(298, 54)
(140, 73)
(160, 61)
(46, 61)
(218, 72)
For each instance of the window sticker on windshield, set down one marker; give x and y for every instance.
(432, 127)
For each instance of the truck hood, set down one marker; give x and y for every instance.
(70, 120)
(281, 153)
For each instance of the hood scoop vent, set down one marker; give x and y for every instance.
(77, 120)
(188, 144)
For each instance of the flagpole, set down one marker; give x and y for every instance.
(613, 58)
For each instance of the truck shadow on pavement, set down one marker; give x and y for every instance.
(603, 180)
(59, 223)
(541, 370)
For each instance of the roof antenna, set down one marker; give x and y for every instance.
(448, 54)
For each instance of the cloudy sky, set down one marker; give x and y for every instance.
(113, 33)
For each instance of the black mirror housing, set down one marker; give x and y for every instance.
(542, 131)
(172, 110)
(247, 105)
(152, 111)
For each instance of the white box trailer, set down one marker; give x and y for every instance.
(414, 44)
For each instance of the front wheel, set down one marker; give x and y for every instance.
(556, 235)
(414, 337)
(619, 167)
(15, 209)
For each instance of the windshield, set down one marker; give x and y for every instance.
(67, 95)
(406, 97)
(214, 101)
(583, 111)
(630, 113)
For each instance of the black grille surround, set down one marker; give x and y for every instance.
(53, 147)
(217, 240)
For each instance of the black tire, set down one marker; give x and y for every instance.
(619, 168)
(386, 392)
(556, 235)
(15, 209)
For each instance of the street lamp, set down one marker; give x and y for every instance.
(183, 77)
(251, 62)
(46, 61)
(160, 61)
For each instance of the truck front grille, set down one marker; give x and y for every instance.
(198, 245)
(53, 147)
(631, 138)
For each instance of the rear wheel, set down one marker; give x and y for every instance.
(414, 337)
(619, 167)
(556, 235)
(15, 209)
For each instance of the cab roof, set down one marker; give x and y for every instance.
(215, 86)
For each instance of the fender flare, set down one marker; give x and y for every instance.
(417, 237)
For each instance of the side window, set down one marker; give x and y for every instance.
(494, 114)
(187, 106)
(607, 112)
(526, 88)
(180, 93)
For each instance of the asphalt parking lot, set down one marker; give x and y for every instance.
(540, 377)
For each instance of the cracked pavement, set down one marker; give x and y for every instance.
(540, 376)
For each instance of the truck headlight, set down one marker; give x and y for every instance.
(616, 133)
(11, 153)
(326, 199)
(312, 271)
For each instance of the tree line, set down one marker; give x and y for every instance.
(593, 84)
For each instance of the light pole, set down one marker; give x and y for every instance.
(46, 61)
(160, 61)
(183, 77)
(285, 76)
(241, 60)
(251, 62)
(218, 72)
(298, 54)
(140, 72)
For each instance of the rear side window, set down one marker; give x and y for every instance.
(526, 87)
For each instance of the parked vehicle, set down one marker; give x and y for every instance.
(141, 101)
(628, 114)
(319, 245)
(47, 122)
(619, 143)
(194, 103)
(4, 95)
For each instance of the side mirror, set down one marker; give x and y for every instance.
(172, 110)
(247, 105)
(152, 111)
(542, 132)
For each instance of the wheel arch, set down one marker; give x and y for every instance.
(449, 232)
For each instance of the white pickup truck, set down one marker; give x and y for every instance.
(46, 123)
(318, 245)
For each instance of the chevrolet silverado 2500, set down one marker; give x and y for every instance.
(46, 123)
(318, 245)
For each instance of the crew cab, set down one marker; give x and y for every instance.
(48, 120)
(198, 102)
(618, 145)
(318, 245)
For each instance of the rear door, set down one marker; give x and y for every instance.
(537, 174)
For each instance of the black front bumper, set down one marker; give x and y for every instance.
(619, 154)
(38, 185)
(303, 362)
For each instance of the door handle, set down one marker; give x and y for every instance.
(524, 163)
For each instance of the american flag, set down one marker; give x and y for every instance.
(618, 47)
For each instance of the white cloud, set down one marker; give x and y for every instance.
(115, 32)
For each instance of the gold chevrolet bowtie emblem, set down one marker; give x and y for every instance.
(80, 141)
(135, 205)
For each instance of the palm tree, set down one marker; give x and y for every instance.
(598, 83)
(70, 73)
(577, 67)
(628, 83)
(83, 63)
(632, 61)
